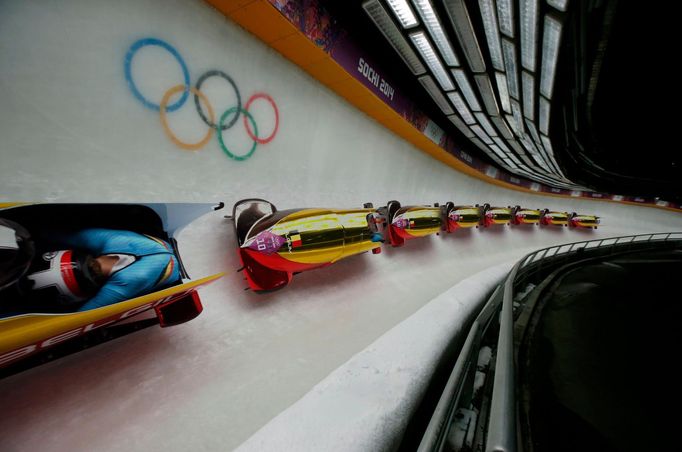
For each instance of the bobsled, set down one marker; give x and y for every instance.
(525, 216)
(27, 328)
(455, 217)
(409, 222)
(549, 217)
(495, 215)
(583, 221)
(274, 245)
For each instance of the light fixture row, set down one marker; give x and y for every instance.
(496, 132)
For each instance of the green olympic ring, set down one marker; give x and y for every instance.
(220, 133)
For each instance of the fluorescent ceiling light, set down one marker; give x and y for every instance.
(516, 147)
(393, 35)
(491, 171)
(529, 32)
(501, 81)
(523, 168)
(528, 85)
(558, 4)
(548, 158)
(436, 94)
(487, 126)
(510, 164)
(550, 54)
(498, 152)
(532, 166)
(544, 107)
(502, 126)
(465, 87)
(505, 12)
(481, 134)
(489, 17)
(515, 159)
(461, 107)
(547, 144)
(500, 143)
(487, 150)
(426, 50)
(513, 125)
(431, 22)
(403, 13)
(509, 52)
(527, 143)
(518, 117)
(461, 22)
(466, 131)
(533, 132)
(485, 87)
(542, 164)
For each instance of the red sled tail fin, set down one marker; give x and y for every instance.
(260, 277)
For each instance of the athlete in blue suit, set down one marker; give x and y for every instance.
(131, 264)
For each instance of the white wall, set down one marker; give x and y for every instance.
(70, 130)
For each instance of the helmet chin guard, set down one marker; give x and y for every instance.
(62, 276)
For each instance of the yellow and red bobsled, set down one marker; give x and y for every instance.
(555, 218)
(25, 333)
(495, 215)
(274, 245)
(525, 216)
(455, 217)
(583, 221)
(410, 222)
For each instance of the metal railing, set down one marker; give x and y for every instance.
(501, 432)
(457, 391)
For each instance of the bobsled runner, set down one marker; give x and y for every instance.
(274, 245)
(583, 221)
(525, 216)
(455, 217)
(28, 327)
(549, 217)
(495, 215)
(409, 222)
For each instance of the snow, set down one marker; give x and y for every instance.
(71, 131)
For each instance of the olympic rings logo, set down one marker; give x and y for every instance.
(227, 119)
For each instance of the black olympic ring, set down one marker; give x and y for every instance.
(202, 79)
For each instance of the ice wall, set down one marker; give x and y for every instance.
(71, 129)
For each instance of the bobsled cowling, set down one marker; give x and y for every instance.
(274, 245)
(521, 215)
(583, 221)
(456, 217)
(25, 332)
(555, 218)
(495, 215)
(410, 222)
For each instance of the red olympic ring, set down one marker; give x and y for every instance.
(246, 124)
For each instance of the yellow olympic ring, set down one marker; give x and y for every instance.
(164, 120)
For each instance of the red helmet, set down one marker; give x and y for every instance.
(62, 275)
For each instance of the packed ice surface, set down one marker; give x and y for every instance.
(366, 403)
(71, 129)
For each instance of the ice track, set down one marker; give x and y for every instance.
(70, 130)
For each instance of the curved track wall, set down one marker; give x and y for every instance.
(71, 129)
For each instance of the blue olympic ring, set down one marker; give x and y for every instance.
(129, 58)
